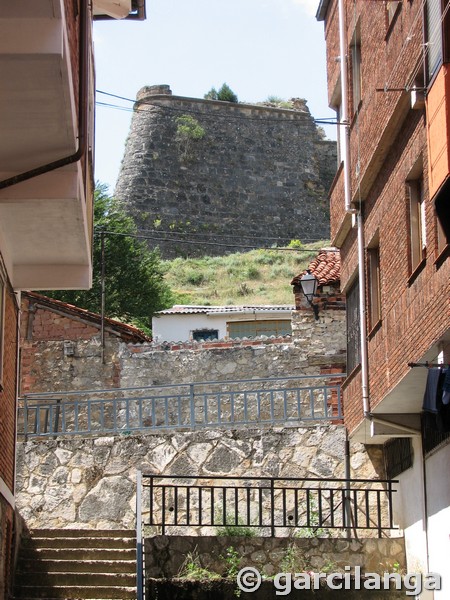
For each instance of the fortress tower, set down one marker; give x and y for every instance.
(204, 176)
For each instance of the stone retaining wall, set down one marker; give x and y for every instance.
(165, 556)
(91, 483)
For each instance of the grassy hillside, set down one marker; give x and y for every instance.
(255, 277)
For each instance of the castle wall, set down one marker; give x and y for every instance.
(256, 171)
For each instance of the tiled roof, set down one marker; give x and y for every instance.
(186, 309)
(122, 330)
(326, 267)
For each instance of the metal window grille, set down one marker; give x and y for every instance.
(353, 329)
(398, 456)
(432, 438)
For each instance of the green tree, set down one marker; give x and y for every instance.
(226, 94)
(211, 95)
(134, 284)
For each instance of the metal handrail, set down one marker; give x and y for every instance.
(267, 503)
(237, 403)
(140, 588)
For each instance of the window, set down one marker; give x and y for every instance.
(240, 329)
(398, 456)
(373, 260)
(391, 10)
(442, 208)
(353, 328)
(336, 105)
(2, 323)
(437, 23)
(355, 54)
(201, 335)
(416, 223)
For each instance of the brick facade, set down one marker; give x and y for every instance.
(7, 437)
(47, 325)
(388, 139)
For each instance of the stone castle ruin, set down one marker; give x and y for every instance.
(202, 177)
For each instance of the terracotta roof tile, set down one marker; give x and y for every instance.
(123, 330)
(326, 267)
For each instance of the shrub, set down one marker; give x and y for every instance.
(226, 94)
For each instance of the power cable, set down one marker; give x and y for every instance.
(219, 244)
(324, 121)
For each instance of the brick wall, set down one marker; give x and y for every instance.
(45, 363)
(7, 436)
(386, 141)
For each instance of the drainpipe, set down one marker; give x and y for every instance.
(344, 103)
(82, 110)
(362, 316)
(353, 211)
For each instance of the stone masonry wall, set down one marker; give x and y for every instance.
(91, 483)
(252, 160)
(314, 347)
(166, 555)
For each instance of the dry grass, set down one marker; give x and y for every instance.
(252, 278)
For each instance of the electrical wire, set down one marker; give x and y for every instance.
(161, 239)
(143, 103)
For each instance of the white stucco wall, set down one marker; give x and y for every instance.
(409, 511)
(438, 500)
(179, 327)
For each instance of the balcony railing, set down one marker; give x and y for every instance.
(193, 505)
(288, 401)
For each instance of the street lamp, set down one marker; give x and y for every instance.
(309, 287)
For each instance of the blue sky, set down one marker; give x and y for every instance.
(260, 48)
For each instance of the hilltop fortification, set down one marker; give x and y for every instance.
(223, 174)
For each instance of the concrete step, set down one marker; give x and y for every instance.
(91, 533)
(79, 542)
(77, 564)
(73, 578)
(46, 565)
(78, 553)
(76, 592)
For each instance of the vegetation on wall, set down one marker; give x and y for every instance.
(188, 131)
(134, 285)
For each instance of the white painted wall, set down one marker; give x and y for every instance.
(438, 490)
(179, 327)
(409, 511)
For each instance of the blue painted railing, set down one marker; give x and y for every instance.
(285, 401)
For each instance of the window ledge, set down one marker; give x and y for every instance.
(351, 376)
(393, 21)
(374, 329)
(442, 256)
(417, 271)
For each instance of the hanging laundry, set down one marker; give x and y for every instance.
(435, 404)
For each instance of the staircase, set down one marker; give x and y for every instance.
(81, 564)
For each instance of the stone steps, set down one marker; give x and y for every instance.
(76, 564)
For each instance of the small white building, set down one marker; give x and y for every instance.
(185, 322)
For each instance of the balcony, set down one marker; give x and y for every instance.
(438, 129)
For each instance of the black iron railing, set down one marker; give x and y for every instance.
(313, 506)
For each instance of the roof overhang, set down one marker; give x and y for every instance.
(44, 221)
(398, 414)
(322, 10)
(119, 9)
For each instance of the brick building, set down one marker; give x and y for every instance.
(389, 83)
(46, 182)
